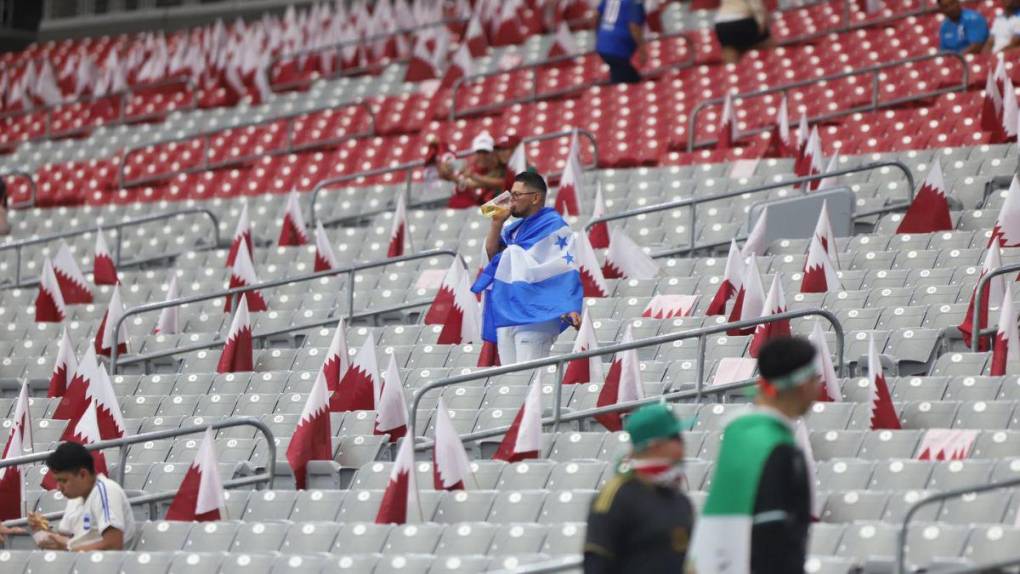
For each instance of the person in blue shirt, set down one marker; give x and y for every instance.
(963, 31)
(619, 35)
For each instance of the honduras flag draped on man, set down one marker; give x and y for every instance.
(535, 279)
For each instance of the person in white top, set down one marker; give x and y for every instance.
(1005, 33)
(97, 516)
(740, 26)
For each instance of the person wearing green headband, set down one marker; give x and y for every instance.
(641, 521)
(758, 510)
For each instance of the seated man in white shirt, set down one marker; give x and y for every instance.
(1005, 33)
(98, 515)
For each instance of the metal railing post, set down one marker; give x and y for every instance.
(558, 396)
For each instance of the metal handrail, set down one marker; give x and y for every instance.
(982, 284)
(337, 47)
(206, 138)
(875, 71)
(31, 183)
(238, 291)
(17, 246)
(561, 564)
(124, 442)
(535, 95)
(847, 26)
(901, 536)
(693, 202)
(409, 167)
(122, 97)
(275, 333)
(560, 360)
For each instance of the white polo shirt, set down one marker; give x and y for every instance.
(105, 507)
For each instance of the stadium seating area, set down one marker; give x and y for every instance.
(198, 150)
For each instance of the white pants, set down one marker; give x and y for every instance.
(526, 342)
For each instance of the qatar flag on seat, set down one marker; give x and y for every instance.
(169, 317)
(946, 444)
(451, 466)
(829, 389)
(49, 301)
(461, 66)
(727, 125)
(781, 142)
(991, 107)
(750, 299)
(106, 339)
(598, 235)
(313, 435)
(83, 430)
(814, 161)
(563, 42)
(883, 412)
(518, 162)
(820, 274)
(1006, 350)
(456, 308)
(293, 231)
(755, 242)
(398, 232)
(325, 259)
(622, 384)
(200, 497)
(242, 234)
(929, 211)
(733, 277)
(523, 440)
(337, 361)
(73, 285)
(236, 356)
(665, 306)
(475, 38)
(1007, 133)
(391, 408)
(584, 370)
(360, 385)
(568, 194)
(421, 65)
(993, 291)
(800, 165)
(592, 280)
(12, 487)
(242, 274)
(21, 418)
(824, 233)
(775, 303)
(399, 504)
(1007, 227)
(625, 259)
(104, 272)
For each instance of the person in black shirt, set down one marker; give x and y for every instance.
(641, 521)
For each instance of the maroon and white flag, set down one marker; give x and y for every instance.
(824, 233)
(451, 466)
(169, 318)
(106, 339)
(84, 430)
(727, 125)
(664, 306)
(994, 291)
(568, 195)
(360, 385)
(929, 211)
(584, 370)
(49, 301)
(755, 242)
(781, 142)
(775, 303)
(337, 361)
(461, 65)
(991, 108)
(325, 259)
(563, 42)
(622, 384)
(456, 308)
(236, 356)
(21, 419)
(829, 389)
(391, 408)
(625, 259)
(73, 285)
(421, 66)
(820, 274)
(104, 272)
(293, 231)
(475, 38)
(518, 162)
(12, 487)
(598, 235)
(1009, 112)
(313, 435)
(242, 234)
(1006, 350)
(1007, 227)
(242, 274)
(733, 279)
(592, 280)
(750, 299)
(399, 503)
(883, 412)
(200, 497)
(523, 440)
(398, 233)
(946, 444)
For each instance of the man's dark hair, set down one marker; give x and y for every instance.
(533, 180)
(784, 355)
(70, 457)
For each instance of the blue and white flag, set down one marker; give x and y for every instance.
(535, 278)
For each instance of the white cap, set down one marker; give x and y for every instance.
(482, 142)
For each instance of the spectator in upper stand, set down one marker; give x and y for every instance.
(741, 26)
(963, 31)
(480, 180)
(5, 227)
(1006, 28)
(619, 36)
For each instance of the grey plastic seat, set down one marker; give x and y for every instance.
(566, 506)
(989, 507)
(522, 538)
(465, 506)
(854, 506)
(317, 505)
(900, 474)
(578, 475)
(147, 562)
(197, 563)
(960, 474)
(298, 564)
(525, 475)
(460, 564)
(868, 540)
(986, 415)
(517, 506)
(413, 539)
(887, 444)
(50, 561)
(466, 538)
(211, 536)
(309, 537)
(404, 564)
(996, 444)
(162, 536)
(270, 505)
(564, 539)
(361, 537)
(255, 537)
(97, 563)
(992, 543)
